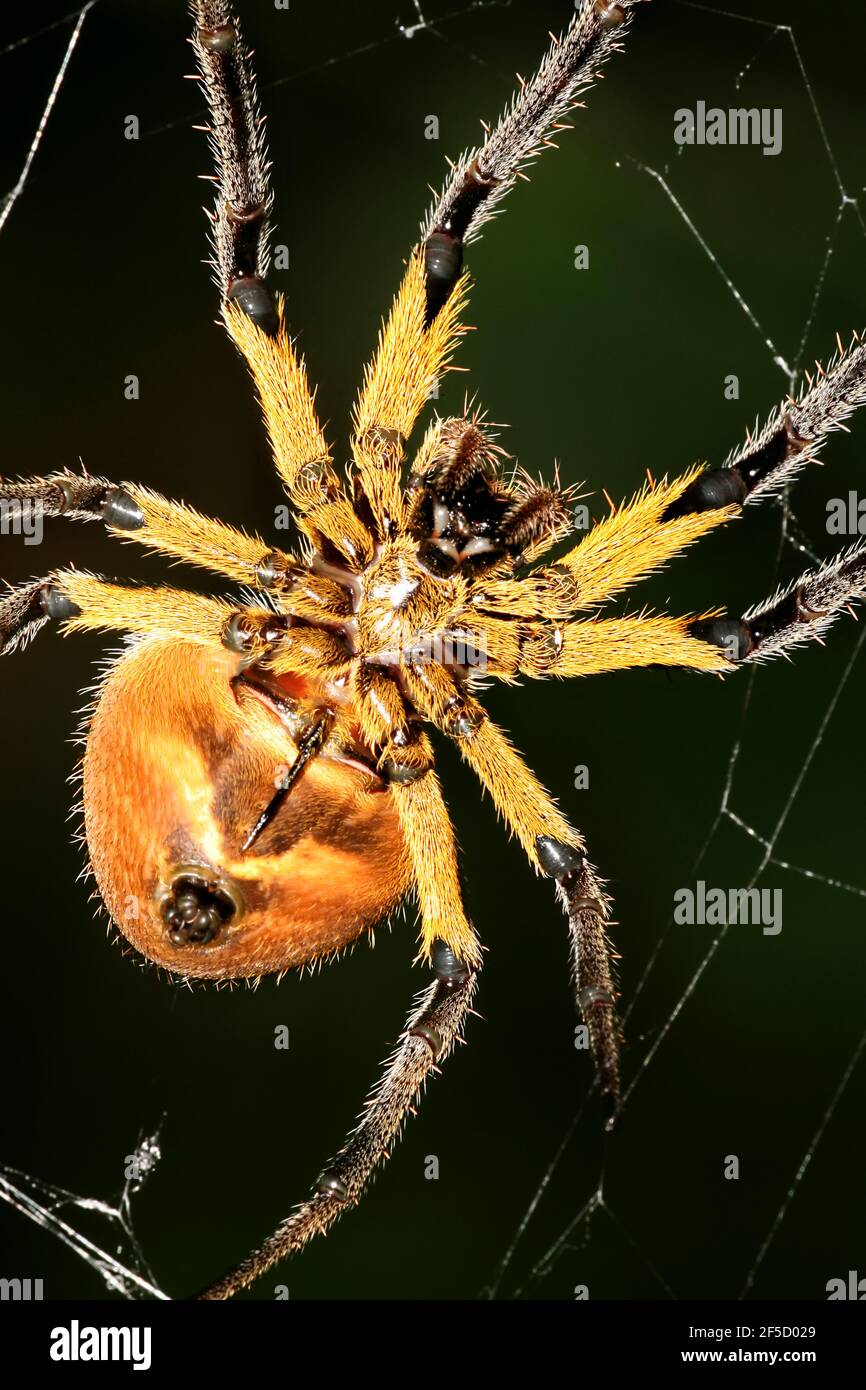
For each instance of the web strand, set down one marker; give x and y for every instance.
(11, 198)
(790, 537)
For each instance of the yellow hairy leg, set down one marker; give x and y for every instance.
(157, 612)
(179, 531)
(523, 803)
(410, 356)
(301, 454)
(594, 646)
(430, 844)
(615, 644)
(174, 529)
(176, 613)
(626, 546)
(380, 710)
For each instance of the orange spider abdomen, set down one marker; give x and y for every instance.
(179, 764)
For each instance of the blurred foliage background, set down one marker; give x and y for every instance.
(610, 371)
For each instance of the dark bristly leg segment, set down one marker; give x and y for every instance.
(434, 1026)
(72, 495)
(587, 906)
(241, 217)
(27, 608)
(801, 613)
(170, 528)
(791, 438)
(481, 179)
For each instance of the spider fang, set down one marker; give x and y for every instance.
(309, 746)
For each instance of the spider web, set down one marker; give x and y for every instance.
(101, 1231)
(584, 1227)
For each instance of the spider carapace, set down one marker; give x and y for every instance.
(258, 778)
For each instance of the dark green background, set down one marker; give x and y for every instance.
(611, 371)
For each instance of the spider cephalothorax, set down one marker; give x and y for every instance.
(259, 785)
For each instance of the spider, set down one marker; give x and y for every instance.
(259, 786)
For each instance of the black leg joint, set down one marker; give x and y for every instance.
(448, 968)
(56, 605)
(466, 202)
(219, 38)
(252, 296)
(443, 250)
(611, 15)
(718, 487)
(557, 860)
(443, 263)
(784, 443)
(330, 1184)
(267, 571)
(238, 636)
(121, 511)
(734, 636)
(593, 996)
(429, 1035)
